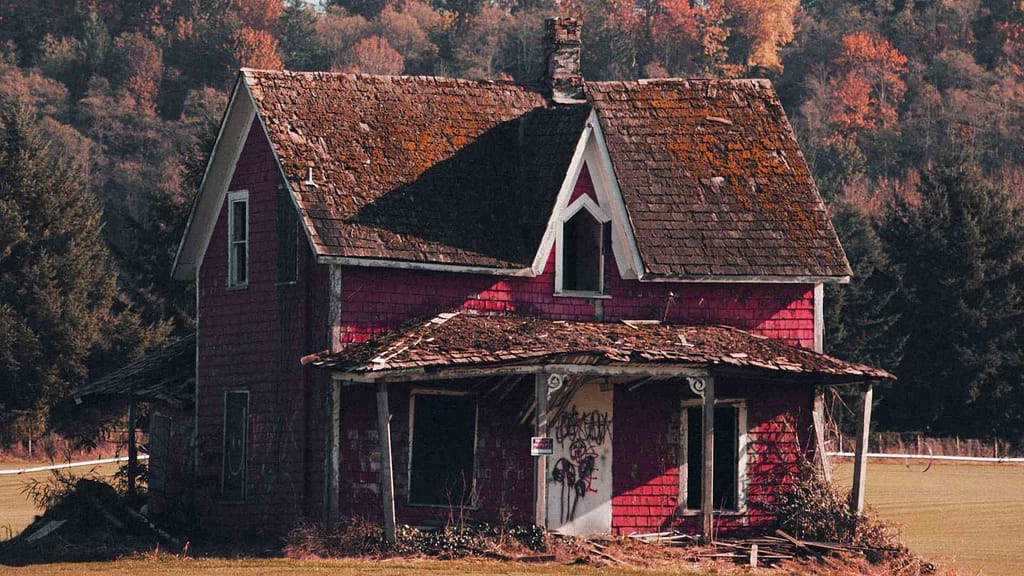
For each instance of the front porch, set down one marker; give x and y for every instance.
(652, 427)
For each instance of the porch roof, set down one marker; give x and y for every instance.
(462, 340)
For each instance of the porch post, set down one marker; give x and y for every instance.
(387, 482)
(540, 463)
(333, 484)
(860, 460)
(818, 415)
(707, 494)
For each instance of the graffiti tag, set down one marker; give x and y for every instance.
(580, 434)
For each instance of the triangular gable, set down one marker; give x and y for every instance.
(592, 155)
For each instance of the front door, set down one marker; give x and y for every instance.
(579, 472)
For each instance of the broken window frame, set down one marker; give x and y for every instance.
(603, 220)
(740, 457)
(245, 450)
(238, 278)
(470, 499)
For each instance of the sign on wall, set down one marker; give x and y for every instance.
(541, 446)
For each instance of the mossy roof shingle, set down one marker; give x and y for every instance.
(439, 170)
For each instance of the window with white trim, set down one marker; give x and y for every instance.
(238, 239)
(730, 459)
(583, 241)
(442, 448)
(236, 446)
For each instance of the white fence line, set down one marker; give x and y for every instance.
(992, 460)
(71, 465)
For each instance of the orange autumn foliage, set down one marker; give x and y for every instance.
(255, 49)
(868, 83)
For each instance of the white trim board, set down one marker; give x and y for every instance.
(591, 152)
(742, 444)
(220, 169)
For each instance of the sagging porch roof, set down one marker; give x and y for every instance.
(166, 374)
(461, 340)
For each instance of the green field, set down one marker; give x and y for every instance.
(16, 509)
(964, 516)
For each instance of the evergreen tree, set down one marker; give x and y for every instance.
(961, 249)
(861, 316)
(57, 284)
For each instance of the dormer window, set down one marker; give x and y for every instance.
(238, 239)
(582, 245)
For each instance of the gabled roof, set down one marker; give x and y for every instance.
(437, 171)
(418, 169)
(463, 340)
(714, 181)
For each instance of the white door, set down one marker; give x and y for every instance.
(579, 472)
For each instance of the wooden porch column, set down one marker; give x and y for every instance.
(818, 415)
(333, 482)
(860, 460)
(707, 494)
(540, 463)
(387, 481)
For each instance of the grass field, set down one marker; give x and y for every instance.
(16, 509)
(264, 567)
(964, 516)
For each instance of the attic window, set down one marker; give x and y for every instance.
(582, 243)
(238, 239)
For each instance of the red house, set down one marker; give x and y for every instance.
(406, 283)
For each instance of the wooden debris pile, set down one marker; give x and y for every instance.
(766, 550)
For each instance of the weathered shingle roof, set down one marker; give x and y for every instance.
(166, 374)
(450, 171)
(714, 181)
(419, 169)
(466, 340)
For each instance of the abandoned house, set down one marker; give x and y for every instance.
(593, 306)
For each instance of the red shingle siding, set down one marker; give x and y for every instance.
(251, 339)
(379, 299)
(646, 442)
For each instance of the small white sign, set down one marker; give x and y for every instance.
(540, 446)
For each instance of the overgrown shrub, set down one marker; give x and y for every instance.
(811, 508)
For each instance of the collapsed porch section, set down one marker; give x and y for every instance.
(634, 426)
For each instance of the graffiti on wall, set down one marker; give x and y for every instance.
(579, 434)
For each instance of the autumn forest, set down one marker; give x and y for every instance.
(910, 114)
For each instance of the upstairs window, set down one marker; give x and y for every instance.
(287, 227)
(582, 248)
(238, 239)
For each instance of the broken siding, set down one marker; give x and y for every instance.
(249, 339)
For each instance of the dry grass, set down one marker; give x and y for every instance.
(963, 516)
(252, 566)
(16, 509)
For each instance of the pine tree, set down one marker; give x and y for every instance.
(57, 284)
(961, 250)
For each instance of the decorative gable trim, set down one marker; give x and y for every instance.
(234, 130)
(592, 153)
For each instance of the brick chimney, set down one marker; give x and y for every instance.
(562, 51)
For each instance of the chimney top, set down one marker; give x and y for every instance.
(562, 49)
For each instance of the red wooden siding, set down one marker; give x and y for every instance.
(645, 448)
(252, 339)
(380, 299)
